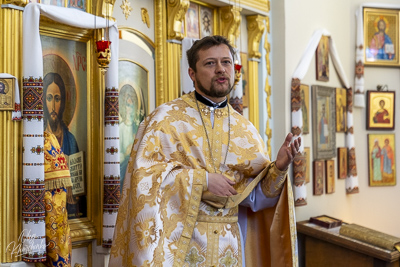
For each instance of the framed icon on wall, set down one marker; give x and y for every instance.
(380, 110)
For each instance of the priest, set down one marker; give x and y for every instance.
(200, 189)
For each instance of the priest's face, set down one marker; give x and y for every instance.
(214, 75)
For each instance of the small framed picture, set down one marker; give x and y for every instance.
(319, 177)
(342, 162)
(381, 35)
(381, 160)
(305, 107)
(7, 94)
(324, 120)
(322, 59)
(206, 21)
(192, 21)
(330, 176)
(380, 110)
(307, 153)
(341, 110)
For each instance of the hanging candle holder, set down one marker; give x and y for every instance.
(103, 54)
(238, 73)
(103, 47)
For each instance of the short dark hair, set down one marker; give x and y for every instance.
(203, 44)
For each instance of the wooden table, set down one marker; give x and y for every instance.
(326, 247)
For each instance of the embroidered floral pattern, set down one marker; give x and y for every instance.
(153, 150)
(145, 233)
(359, 69)
(194, 258)
(228, 259)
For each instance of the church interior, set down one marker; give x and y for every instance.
(327, 71)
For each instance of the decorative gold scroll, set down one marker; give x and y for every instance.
(176, 10)
(255, 28)
(230, 22)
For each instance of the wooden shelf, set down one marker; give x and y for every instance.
(326, 247)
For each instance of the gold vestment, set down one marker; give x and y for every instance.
(168, 218)
(57, 180)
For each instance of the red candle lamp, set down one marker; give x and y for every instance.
(103, 52)
(238, 73)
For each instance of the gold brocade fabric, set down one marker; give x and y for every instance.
(162, 219)
(55, 164)
(57, 179)
(271, 234)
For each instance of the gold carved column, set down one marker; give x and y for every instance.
(176, 10)
(267, 47)
(255, 28)
(10, 134)
(160, 50)
(230, 19)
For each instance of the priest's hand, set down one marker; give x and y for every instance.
(287, 152)
(220, 185)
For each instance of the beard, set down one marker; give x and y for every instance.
(53, 123)
(213, 92)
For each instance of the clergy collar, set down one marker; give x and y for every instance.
(210, 103)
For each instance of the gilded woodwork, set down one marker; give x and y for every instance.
(16, 2)
(160, 51)
(253, 94)
(230, 19)
(255, 28)
(267, 47)
(260, 5)
(10, 137)
(107, 9)
(82, 232)
(176, 10)
(176, 14)
(173, 71)
(92, 226)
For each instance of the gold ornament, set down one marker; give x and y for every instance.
(126, 8)
(145, 17)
